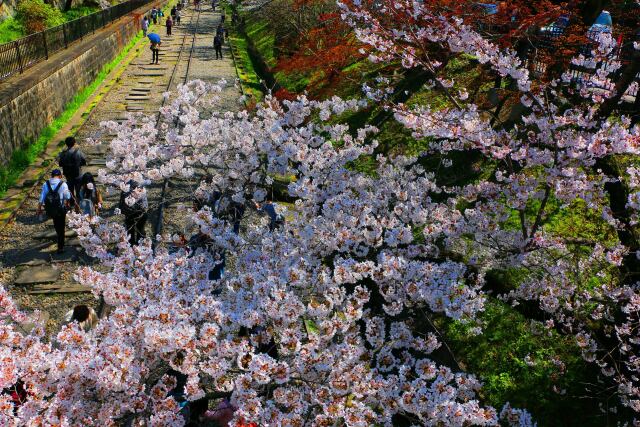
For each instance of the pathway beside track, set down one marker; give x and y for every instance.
(36, 276)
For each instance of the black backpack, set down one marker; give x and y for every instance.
(52, 204)
(70, 162)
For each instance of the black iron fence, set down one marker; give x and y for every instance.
(18, 55)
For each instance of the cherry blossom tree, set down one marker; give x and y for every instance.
(558, 144)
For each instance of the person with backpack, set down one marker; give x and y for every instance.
(71, 161)
(135, 214)
(217, 45)
(89, 198)
(154, 15)
(169, 25)
(55, 198)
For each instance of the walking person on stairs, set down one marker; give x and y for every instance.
(169, 24)
(55, 198)
(145, 26)
(155, 49)
(89, 197)
(217, 45)
(71, 160)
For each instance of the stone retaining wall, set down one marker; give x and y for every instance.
(27, 114)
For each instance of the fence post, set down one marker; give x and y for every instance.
(64, 35)
(19, 57)
(44, 41)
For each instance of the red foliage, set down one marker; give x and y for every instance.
(324, 52)
(285, 95)
(242, 423)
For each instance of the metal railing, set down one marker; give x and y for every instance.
(18, 55)
(547, 42)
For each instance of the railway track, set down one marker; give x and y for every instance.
(159, 219)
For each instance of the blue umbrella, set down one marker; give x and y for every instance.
(155, 38)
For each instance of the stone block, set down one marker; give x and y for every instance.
(39, 274)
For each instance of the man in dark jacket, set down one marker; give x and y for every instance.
(217, 45)
(71, 160)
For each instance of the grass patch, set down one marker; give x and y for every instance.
(22, 158)
(521, 362)
(263, 38)
(10, 29)
(245, 67)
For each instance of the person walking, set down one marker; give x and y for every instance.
(55, 198)
(169, 25)
(220, 32)
(213, 5)
(155, 51)
(145, 26)
(154, 15)
(90, 199)
(173, 13)
(134, 211)
(178, 13)
(217, 45)
(71, 161)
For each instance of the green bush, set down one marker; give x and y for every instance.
(36, 15)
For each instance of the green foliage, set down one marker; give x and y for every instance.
(78, 12)
(36, 15)
(262, 37)
(10, 29)
(22, 158)
(245, 67)
(519, 361)
(39, 16)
